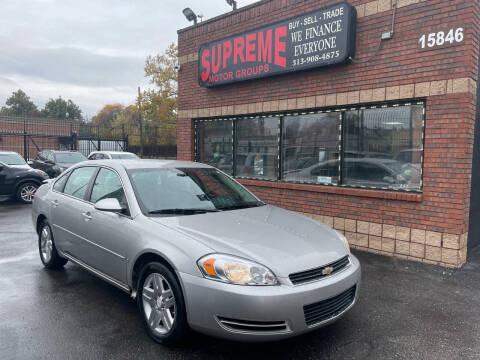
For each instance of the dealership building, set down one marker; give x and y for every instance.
(360, 114)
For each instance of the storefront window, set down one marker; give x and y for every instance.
(311, 148)
(383, 147)
(256, 147)
(377, 147)
(215, 144)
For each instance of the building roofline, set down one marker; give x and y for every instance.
(222, 16)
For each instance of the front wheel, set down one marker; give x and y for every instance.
(47, 249)
(161, 303)
(26, 192)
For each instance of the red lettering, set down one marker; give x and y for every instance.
(227, 52)
(280, 46)
(238, 44)
(216, 66)
(250, 48)
(206, 65)
(265, 46)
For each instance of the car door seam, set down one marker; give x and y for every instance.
(90, 242)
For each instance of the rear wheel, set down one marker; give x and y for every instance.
(47, 249)
(26, 192)
(161, 303)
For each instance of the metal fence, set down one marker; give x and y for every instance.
(28, 136)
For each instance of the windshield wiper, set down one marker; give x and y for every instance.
(182, 211)
(242, 206)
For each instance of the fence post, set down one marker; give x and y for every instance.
(141, 134)
(99, 142)
(25, 152)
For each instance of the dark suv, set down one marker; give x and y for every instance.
(20, 182)
(55, 162)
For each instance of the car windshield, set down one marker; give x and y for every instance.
(12, 159)
(124, 156)
(69, 158)
(188, 191)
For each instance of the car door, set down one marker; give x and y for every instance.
(69, 211)
(108, 233)
(6, 183)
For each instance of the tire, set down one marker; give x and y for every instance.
(46, 247)
(26, 192)
(165, 319)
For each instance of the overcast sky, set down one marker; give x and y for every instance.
(90, 51)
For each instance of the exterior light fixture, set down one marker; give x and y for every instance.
(190, 15)
(232, 3)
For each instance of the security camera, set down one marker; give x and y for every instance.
(178, 67)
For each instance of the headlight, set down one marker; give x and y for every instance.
(234, 270)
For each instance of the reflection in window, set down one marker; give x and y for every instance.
(107, 185)
(257, 145)
(214, 144)
(78, 182)
(383, 147)
(311, 148)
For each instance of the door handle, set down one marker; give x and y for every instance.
(54, 203)
(87, 216)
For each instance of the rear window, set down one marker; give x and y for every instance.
(124, 156)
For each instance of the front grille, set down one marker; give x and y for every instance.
(253, 326)
(329, 308)
(315, 274)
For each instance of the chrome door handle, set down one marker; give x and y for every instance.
(54, 203)
(87, 216)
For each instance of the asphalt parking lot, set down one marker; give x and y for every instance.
(406, 311)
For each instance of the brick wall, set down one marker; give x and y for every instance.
(430, 227)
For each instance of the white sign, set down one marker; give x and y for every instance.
(324, 179)
(441, 38)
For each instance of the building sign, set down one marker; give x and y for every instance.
(320, 38)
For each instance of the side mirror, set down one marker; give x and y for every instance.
(109, 205)
(30, 162)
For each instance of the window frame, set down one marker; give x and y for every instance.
(88, 192)
(342, 110)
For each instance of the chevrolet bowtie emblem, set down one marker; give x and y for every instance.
(327, 271)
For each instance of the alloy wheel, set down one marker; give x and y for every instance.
(46, 244)
(159, 304)
(27, 193)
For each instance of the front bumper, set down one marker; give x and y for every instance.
(213, 306)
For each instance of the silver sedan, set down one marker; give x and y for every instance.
(196, 249)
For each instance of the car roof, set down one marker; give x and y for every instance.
(110, 152)
(9, 152)
(147, 164)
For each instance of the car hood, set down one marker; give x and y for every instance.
(282, 240)
(25, 166)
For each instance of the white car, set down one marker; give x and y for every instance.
(112, 155)
(14, 160)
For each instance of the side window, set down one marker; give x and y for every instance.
(59, 184)
(51, 157)
(41, 156)
(107, 185)
(100, 157)
(78, 182)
